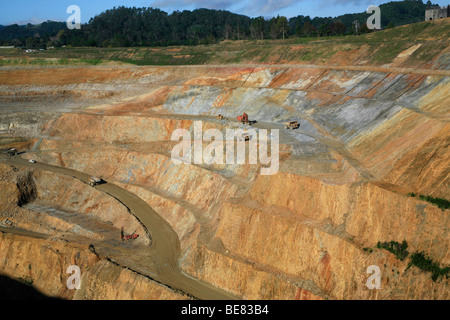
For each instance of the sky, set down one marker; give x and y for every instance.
(37, 11)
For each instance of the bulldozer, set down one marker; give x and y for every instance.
(291, 125)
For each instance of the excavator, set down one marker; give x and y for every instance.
(244, 119)
(128, 236)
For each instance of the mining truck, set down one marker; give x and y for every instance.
(291, 125)
(93, 181)
(11, 152)
(245, 136)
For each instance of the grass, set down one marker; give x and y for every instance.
(386, 53)
(45, 62)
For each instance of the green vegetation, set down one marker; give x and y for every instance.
(421, 261)
(135, 27)
(44, 62)
(398, 249)
(441, 203)
(380, 48)
(417, 259)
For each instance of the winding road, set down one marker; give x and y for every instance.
(165, 242)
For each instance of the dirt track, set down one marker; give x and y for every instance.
(165, 244)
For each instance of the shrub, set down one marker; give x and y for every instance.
(398, 249)
(421, 261)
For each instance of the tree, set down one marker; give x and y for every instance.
(228, 31)
(308, 29)
(337, 28)
(363, 29)
(282, 26)
(324, 30)
(257, 27)
(390, 25)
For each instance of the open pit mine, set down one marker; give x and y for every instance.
(88, 182)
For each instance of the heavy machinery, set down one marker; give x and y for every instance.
(245, 136)
(124, 237)
(12, 152)
(291, 125)
(93, 181)
(220, 117)
(244, 118)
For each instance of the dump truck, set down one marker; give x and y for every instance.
(11, 152)
(245, 136)
(93, 181)
(291, 125)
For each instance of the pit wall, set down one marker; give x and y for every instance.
(179, 193)
(153, 170)
(324, 230)
(380, 117)
(43, 265)
(68, 194)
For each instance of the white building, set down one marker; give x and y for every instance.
(438, 13)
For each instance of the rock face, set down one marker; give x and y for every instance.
(43, 263)
(368, 136)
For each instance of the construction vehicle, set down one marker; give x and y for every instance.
(245, 136)
(220, 117)
(291, 125)
(11, 152)
(244, 119)
(132, 236)
(93, 181)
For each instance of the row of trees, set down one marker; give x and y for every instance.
(122, 27)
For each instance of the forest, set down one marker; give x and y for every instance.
(134, 27)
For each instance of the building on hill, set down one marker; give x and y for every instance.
(437, 13)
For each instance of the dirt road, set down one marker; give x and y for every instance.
(165, 242)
